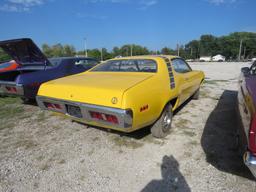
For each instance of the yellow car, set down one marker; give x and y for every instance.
(125, 94)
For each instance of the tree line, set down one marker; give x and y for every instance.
(208, 45)
(230, 46)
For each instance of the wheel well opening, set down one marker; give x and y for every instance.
(173, 102)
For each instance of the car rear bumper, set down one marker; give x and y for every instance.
(250, 162)
(11, 88)
(125, 117)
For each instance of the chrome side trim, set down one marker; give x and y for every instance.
(125, 117)
(19, 88)
(250, 162)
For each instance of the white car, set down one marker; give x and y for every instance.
(218, 58)
(205, 59)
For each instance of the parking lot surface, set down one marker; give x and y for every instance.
(42, 151)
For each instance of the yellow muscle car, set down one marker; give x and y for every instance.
(125, 94)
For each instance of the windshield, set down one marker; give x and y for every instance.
(131, 65)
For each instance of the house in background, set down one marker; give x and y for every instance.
(219, 58)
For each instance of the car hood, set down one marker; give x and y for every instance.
(24, 52)
(93, 87)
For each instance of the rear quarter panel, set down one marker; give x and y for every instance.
(154, 93)
(245, 104)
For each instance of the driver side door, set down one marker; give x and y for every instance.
(185, 78)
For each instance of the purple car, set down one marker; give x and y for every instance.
(35, 68)
(247, 110)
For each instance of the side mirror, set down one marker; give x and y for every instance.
(245, 70)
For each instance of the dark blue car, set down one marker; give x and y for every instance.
(35, 68)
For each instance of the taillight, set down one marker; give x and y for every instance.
(252, 136)
(52, 106)
(104, 117)
(11, 89)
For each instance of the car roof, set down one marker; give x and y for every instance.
(148, 57)
(72, 58)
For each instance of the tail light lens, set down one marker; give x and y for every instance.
(104, 117)
(11, 89)
(52, 106)
(252, 136)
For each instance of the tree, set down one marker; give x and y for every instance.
(47, 50)
(193, 48)
(68, 51)
(167, 51)
(3, 56)
(58, 50)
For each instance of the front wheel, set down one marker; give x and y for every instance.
(162, 126)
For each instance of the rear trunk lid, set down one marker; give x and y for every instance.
(99, 88)
(24, 52)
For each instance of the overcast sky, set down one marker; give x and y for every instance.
(108, 23)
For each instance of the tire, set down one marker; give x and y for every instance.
(162, 126)
(196, 94)
(26, 100)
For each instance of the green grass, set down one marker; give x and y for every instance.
(41, 116)
(214, 82)
(189, 133)
(182, 123)
(153, 140)
(127, 142)
(11, 109)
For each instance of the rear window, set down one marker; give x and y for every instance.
(128, 65)
(55, 61)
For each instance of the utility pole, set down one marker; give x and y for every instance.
(244, 52)
(240, 49)
(85, 48)
(191, 51)
(101, 54)
(131, 49)
(178, 49)
(199, 50)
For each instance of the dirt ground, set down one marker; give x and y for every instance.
(42, 151)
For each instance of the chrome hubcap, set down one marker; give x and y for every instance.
(167, 121)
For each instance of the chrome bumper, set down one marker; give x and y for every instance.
(4, 85)
(250, 162)
(125, 117)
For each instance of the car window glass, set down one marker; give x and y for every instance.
(131, 65)
(87, 63)
(180, 66)
(55, 61)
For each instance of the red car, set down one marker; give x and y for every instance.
(247, 109)
(8, 66)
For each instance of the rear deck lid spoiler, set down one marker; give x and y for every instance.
(24, 51)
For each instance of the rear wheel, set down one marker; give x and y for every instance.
(162, 126)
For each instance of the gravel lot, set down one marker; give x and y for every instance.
(42, 151)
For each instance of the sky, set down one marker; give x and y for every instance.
(108, 23)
